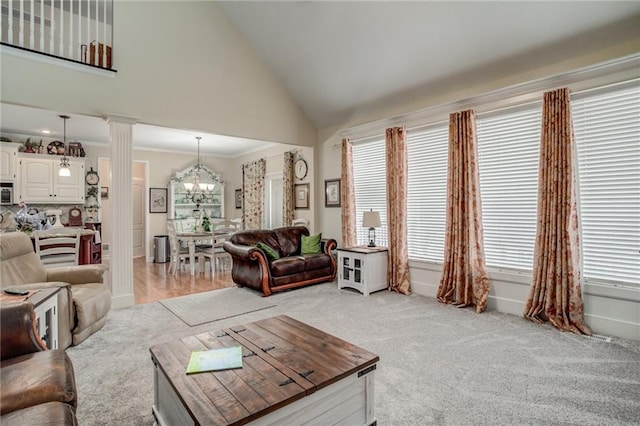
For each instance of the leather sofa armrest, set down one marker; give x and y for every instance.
(328, 246)
(18, 334)
(244, 252)
(81, 274)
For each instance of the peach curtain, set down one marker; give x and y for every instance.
(398, 262)
(287, 189)
(253, 194)
(464, 280)
(555, 290)
(348, 196)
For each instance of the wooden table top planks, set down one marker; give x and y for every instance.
(283, 360)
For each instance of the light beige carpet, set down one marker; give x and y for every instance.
(201, 308)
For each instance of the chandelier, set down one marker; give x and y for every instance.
(64, 161)
(196, 191)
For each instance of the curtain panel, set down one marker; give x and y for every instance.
(348, 196)
(287, 189)
(556, 293)
(464, 280)
(253, 191)
(397, 169)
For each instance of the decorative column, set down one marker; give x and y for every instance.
(121, 248)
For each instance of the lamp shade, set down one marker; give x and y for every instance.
(371, 219)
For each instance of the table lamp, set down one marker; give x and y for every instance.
(371, 220)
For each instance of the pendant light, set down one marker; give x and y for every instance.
(198, 192)
(65, 169)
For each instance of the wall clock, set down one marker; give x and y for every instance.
(92, 177)
(301, 169)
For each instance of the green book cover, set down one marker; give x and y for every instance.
(215, 360)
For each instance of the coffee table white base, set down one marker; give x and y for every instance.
(349, 401)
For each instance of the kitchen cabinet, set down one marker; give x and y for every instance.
(8, 152)
(39, 182)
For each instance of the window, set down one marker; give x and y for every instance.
(607, 133)
(370, 181)
(427, 152)
(508, 151)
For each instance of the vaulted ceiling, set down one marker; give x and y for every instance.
(340, 58)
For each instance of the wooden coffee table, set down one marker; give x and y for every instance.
(292, 373)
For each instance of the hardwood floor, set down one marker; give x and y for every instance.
(151, 282)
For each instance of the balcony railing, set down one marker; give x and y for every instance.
(76, 30)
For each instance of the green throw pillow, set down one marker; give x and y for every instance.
(311, 244)
(268, 250)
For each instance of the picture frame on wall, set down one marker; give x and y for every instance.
(157, 200)
(332, 193)
(104, 192)
(238, 198)
(301, 196)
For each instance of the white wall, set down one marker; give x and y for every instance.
(180, 65)
(608, 310)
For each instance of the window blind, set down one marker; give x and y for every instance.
(607, 134)
(508, 151)
(427, 152)
(369, 175)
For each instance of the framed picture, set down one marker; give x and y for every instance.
(157, 200)
(104, 192)
(238, 198)
(332, 193)
(301, 194)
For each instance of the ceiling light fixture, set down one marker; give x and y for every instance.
(64, 161)
(198, 192)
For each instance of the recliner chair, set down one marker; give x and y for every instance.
(85, 299)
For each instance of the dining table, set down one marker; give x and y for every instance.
(192, 238)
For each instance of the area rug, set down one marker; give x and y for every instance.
(201, 308)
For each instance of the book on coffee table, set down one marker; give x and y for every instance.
(215, 360)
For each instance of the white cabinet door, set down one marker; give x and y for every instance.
(69, 189)
(36, 183)
(40, 183)
(8, 162)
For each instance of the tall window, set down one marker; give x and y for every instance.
(427, 191)
(607, 132)
(369, 176)
(508, 151)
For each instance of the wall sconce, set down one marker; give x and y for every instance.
(371, 220)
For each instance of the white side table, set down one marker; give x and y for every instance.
(362, 268)
(45, 305)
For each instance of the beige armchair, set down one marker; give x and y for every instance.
(85, 299)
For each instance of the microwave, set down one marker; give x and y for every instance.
(6, 193)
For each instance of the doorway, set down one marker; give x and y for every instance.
(274, 200)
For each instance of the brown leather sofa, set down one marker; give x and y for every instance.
(38, 385)
(83, 302)
(252, 267)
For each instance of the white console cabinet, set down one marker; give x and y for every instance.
(8, 152)
(362, 268)
(39, 182)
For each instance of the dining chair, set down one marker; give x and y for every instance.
(58, 247)
(178, 255)
(222, 231)
(238, 222)
(300, 222)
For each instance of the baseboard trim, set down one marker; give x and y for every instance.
(613, 327)
(123, 301)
